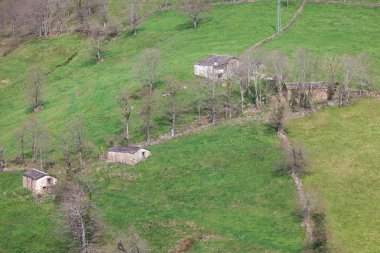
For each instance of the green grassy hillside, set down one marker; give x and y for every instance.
(342, 146)
(27, 226)
(89, 90)
(327, 29)
(220, 183)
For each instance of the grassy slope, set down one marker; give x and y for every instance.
(335, 29)
(221, 180)
(26, 226)
(230, 30)
(343, 150)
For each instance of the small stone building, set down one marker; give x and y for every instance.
(216, 66)
(127, 155)
(38, 182)
(295, 93)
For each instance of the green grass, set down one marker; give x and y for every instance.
(221, 180)
(335, 29)
(229, 29)
(26, 226)
(342, 146)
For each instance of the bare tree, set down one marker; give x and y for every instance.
(276, 119)
(124, 102)
(42, 11)
(241, 77)
(103, 12)
(98, 47)
(363, 72)
(331, 66)
(82, 147)
(133, 244)
(21, 144)
(348, 72)
(228, 107)
(76, 207)
(146, 69)
(134, 14)
(32, 129)
(276, 63)
(171, 94)
(35, 87)
(2, 159)
(193, 10)
(62, 14)
(212, 100)
(38, 140)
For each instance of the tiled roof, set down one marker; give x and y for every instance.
(125, 149)
(218, 60)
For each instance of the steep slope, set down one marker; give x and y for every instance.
(216, 188)
(342, 146)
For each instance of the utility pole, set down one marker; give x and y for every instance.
(278, 16)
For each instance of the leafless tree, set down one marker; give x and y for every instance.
(212, 85)
(61, 13)
(38, 140)
(13, 14)
(134, 14)
(348, 72)
(363, 72)
(301, 57)
(171, 94)
(35, 87)
(298, 160)
(133, 244)
(277, 116)
(276, 63)
(103, 12)
(76, 207)
(331, 66)
(2, 159)
(42, 13)
(20, 136)
(146, 69)
(98, 47)
(193, 9)
(228, 105)
(82, 147)
(124, 102)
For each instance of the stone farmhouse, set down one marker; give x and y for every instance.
(216, 66)
(127, 155)
(294, 93)
(38, 182)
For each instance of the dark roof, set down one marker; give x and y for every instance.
(125, 149)
(219, 59)
(35, 174)
(307, 85)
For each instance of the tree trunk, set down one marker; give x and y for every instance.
(241, 98)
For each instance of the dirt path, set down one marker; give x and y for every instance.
(301, 199)
(286, 27)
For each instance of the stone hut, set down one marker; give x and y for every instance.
(216, 66)
(127, 155)
(38, 182)
(316, 91)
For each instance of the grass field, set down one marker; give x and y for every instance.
(89, 90)
(221, 182)
(335, 30)
(25, 225)
(342, 146)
